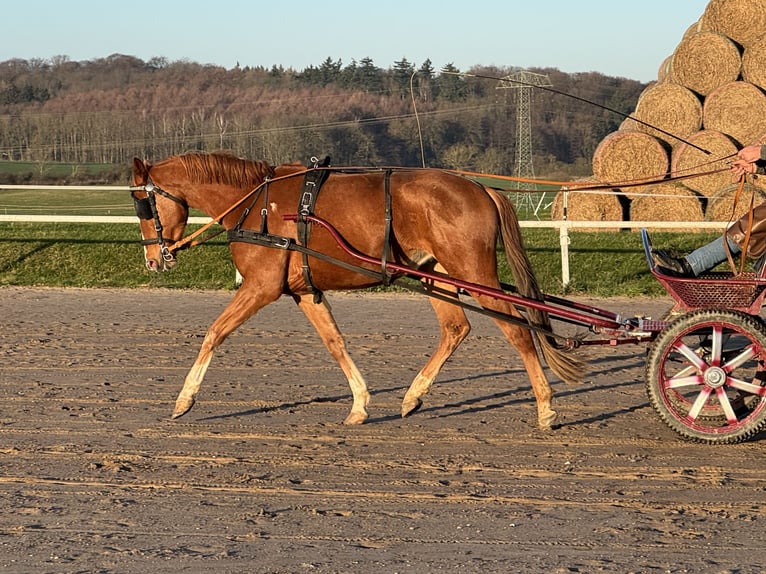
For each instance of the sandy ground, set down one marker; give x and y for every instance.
(262, 476)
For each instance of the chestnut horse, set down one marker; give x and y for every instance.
(425, 219)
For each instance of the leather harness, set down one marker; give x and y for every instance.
(315, 176)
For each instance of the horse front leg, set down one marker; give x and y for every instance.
(321, 318)
(244, 305)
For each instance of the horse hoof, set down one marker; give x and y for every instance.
(355, 419)
(183, 406)
(411, 407)
(548, 421)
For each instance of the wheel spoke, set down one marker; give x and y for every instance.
(680, 382)
(744, 386)
(686, 372)
(716, 345)
(747, 353)
(723, 398)
(696, 409)
(690, 355)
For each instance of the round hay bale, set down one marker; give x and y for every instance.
(691, 30)
(663, 73)
(704, 61)
(670, 107)
(741, 20)
(721, 206)
(666, 202)
(630, 157)
(596, 205)
(737, 109)
(687, 160)
(754, 63)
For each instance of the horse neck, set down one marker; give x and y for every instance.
(211, 183)
(214, 199)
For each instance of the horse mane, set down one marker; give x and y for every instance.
(224, 168)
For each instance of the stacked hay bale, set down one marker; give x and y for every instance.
(704, 61)
(671, 107)
(737, 109)
(688, 161)
(726, 205)
(754, 56)
(588, 200)
(711, 93)
(630, 158)
(744, 21)
(664, 201)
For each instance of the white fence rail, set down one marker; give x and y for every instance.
(563, 226)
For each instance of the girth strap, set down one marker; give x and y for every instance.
(312, 183)
(386, 251)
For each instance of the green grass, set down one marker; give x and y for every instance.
(95, 255)
(56, 169)
(69, 202)
(603, 264)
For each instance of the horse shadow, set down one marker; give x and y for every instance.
(520, 395)
(22, 257)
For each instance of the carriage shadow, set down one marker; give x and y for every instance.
(503, 399)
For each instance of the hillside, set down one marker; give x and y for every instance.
(106, 111)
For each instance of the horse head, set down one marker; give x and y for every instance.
(162, 217)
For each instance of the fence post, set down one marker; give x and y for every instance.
(564, 240)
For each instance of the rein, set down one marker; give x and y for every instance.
(576, 186)
(146, 208)
(748, 231)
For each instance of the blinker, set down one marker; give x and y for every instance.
(143, 208)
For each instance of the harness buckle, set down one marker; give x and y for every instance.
(281, 242)
(307, 199)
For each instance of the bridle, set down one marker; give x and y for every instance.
(146, 208)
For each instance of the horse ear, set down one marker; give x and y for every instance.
(140, 171)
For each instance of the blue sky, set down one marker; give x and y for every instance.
(617, 38)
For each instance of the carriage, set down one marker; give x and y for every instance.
(301, 231)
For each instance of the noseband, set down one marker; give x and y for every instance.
(146, 208)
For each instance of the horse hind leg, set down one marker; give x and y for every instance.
(454, 328)
(522, 339)
(321, 318)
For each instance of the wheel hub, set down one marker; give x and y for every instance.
(715, 377)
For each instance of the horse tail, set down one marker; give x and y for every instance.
(564, 364)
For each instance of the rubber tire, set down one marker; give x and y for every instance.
(664, 362)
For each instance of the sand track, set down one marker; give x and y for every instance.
(261, 476)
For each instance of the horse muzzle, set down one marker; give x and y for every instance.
(163, 263)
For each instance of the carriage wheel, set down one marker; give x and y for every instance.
(705, 376)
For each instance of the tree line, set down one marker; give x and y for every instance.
(107, 110)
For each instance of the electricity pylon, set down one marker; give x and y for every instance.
(524, 83)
